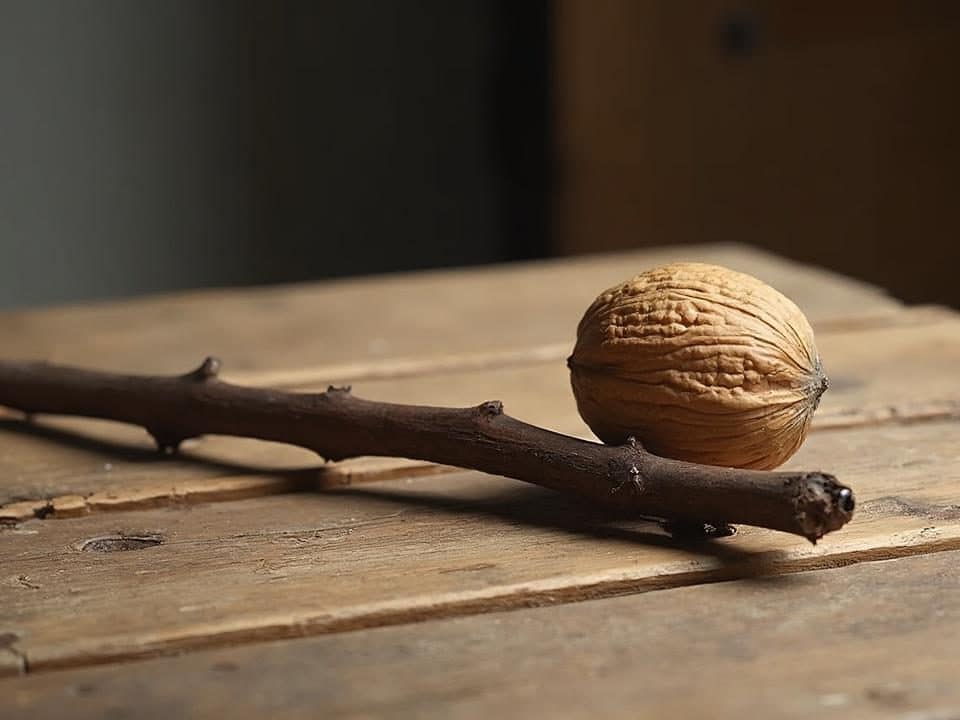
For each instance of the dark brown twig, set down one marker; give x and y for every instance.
(337, 425)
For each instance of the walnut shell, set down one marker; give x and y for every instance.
(698, 363)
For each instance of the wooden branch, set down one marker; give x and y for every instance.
(337, 425)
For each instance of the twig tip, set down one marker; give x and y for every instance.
(490, 408)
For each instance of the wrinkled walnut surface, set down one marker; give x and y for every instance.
(700, 363)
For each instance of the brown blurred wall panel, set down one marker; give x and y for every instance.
(825, 131)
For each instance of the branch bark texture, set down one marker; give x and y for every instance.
(337, 425)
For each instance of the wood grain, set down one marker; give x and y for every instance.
(413, 317)
(401, 368)
(415, 549)
(829, 643)
(888, 373)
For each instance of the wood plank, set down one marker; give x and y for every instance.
(412, 316)
(880, 374)
(402, 368)
(831, 643)
(411, 549)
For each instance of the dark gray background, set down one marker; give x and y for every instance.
(165, 144)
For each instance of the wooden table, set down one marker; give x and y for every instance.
(246, 579)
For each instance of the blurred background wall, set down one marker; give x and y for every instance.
(824, 131)
(150, 145)
(153, 145)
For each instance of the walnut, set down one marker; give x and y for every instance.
(699, 363)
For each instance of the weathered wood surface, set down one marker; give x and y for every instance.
(903, 369)
(413, 549)
(415, 318)
(875, 640)
(194, 575)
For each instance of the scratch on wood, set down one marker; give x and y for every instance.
(896, 505)
(468, 568)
